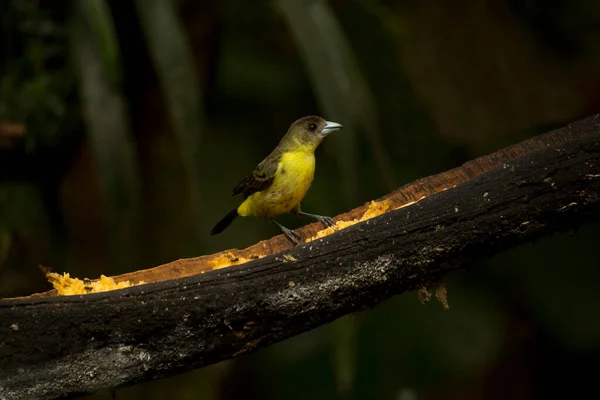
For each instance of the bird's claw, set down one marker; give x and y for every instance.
(327, 221)
(294, 236)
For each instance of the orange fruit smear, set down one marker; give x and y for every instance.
(67, 286)
(375, 209)
(228, 259)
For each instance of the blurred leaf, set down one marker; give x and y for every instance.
(341, 90)
(34, 82)
(172, 56)
(110, 138)
(97, 14)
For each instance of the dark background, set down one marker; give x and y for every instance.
(124, 125)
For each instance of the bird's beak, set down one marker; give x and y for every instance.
(330, 127)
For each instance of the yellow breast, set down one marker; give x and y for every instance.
(294, 176)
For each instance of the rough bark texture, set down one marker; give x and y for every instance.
(54, 346)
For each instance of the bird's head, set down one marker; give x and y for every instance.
(309, 131)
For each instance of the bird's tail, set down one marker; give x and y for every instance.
(224, 222)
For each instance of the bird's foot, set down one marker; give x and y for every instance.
(293, 236)
(327, 221)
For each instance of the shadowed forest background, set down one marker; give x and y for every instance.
(124, 125)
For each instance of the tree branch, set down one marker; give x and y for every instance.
(53, 346)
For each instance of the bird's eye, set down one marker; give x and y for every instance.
(312, 127)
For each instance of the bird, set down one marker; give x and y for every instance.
(279, 182)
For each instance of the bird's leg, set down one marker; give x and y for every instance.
(327, 221)
(294, 237)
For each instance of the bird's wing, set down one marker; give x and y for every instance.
(260, 179)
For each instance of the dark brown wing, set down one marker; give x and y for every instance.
(260, 179)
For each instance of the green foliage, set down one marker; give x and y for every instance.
(33, 84)
(97, 16)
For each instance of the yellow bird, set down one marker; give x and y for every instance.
(280, 182)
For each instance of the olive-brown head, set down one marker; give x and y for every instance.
(308, 132)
